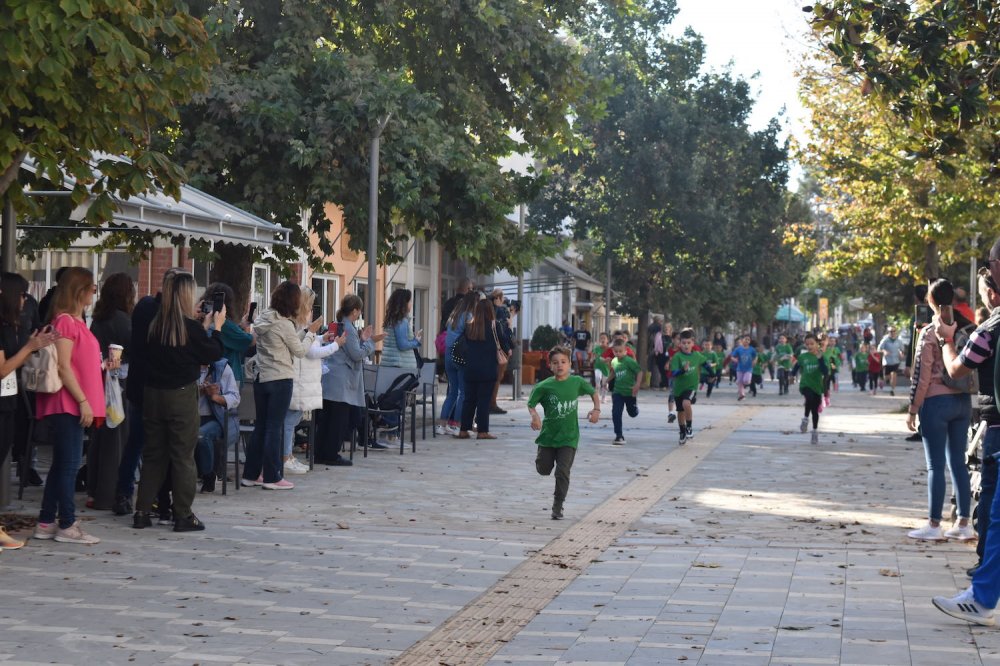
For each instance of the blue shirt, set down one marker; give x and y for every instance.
(745, 356)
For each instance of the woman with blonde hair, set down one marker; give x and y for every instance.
(178, 345)
(72, 408)
(307, 391)
(278, 344)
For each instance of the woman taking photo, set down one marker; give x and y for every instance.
(237, 338)
(343, 385)
(14, 351)
(278, 343)
(400, 347)
(484, 345)
(451, 410)
(178, 345)
(307, 391)
(944, 412)
(72, 408)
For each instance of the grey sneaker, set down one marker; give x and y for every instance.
(73, 534)
(45, 531)
(557, 512)
(815, 437)
(804, 426)
(965, 607)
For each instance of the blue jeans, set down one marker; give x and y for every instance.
(264, 453)
(60, 484)
(132, 453)
(292, 419)
(944, 425)
(452, 407)
(618, 404)
(987, 486)
(204, 454)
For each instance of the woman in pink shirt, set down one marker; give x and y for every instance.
(71, 409)
(945, 412)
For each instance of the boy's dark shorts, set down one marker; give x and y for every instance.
(889, 369)
(681, 397)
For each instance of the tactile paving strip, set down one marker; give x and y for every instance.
(478, 631)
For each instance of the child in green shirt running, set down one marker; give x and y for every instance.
(861, 368)
(708, 373)
(784, 356)
(627, 377)
(560, 432)
(685, 368)
(812, 366)
(601, 370)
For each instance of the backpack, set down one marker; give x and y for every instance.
(970, 383)
(394, 397)
(40, 373)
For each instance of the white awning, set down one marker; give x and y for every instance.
(196, 215)
(579, 278)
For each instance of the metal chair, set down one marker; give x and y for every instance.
(247, 415)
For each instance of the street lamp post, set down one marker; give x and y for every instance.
(373, 217)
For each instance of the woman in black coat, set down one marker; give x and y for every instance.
(483, 340)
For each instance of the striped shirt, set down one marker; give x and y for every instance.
(977, 355)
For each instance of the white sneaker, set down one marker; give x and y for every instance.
(441, 430)
(815, 437)
(293, 466)
(804, 426)
(927, 533)
(73, 534)
(961, 533)
(965, 607)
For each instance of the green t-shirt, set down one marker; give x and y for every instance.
(763, 360)
(561, 424)
(832, 357)
(689, 377)
(861, 362)
(810, 375)
(783, 354)
(626, 372)
(712, 358)
(600, 363)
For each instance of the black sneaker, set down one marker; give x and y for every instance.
(189, 524)
(141, 520)
(683, 439)
(672, 417)
(496, 410)
(122, 506)
(557, 512)
(33, 477)
(689, 431)
(165, 518)
(208, 483)
(378, 446)
(336, 462)
(915, 437)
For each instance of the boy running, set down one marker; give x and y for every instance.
(601, 365)
(861, 367)
(627, 375)
(560, 432)
(685, 368)
(743, 358)
(812, 366)
(784, 357)
(708, 372)
(874, 369)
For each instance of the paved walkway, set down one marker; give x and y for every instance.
(747, 546)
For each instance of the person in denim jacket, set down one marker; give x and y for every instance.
(218, 403)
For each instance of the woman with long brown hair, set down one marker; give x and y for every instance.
(73, 407)
(483, 344)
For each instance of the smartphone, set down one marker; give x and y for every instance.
(922, 315)
(252, 311)
(218, 301)
(206, 307)
(947, 315)
(334, 328)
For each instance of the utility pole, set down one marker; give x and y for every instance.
(518, 336)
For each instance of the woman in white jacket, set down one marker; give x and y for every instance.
(307, 391)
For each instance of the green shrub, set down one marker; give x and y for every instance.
(544, 338)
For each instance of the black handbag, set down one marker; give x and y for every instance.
(459, 350)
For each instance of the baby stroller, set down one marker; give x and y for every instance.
(974, 463)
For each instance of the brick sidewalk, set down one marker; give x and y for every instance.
(768, 551)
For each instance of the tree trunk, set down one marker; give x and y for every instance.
(642, 353)
(235, 267)
(932, 266)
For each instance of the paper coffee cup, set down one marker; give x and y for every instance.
(115, 352)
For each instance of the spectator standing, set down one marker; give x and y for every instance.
(307, 389)
(451, 410)
(401, 346)
(15, 348)
(343, 384)
(581, 352)
(502, 328)
(72, 408)
(464, 286)
(484, 344)
(278, 343)
(111, 324)
(178, 346)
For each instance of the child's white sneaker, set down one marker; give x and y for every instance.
(927, 533)
(804, 426)
(815, 437)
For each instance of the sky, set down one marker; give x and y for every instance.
(765, 37)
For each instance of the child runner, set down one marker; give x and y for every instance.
(720, 362)
(560, 432)
(743, 358)
(831, 355)
(812, 366)
(627, 376)
(784, 357)
(601, 366)
(671, 400)
(759, 365)
(861, 367)
(708, 372)
(874, 369)
(686, 367)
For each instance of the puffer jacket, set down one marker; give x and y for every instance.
(307, 387)
(278, 343)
